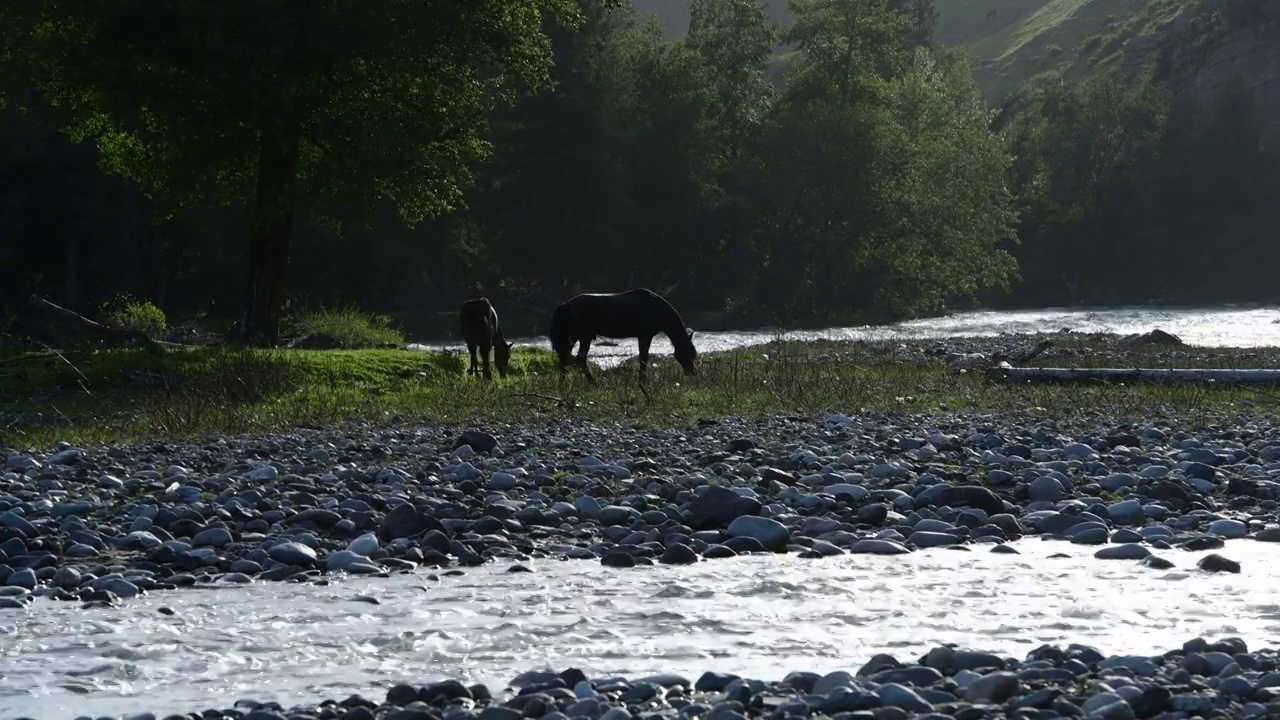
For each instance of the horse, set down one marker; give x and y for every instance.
(638, 313)
(481, 330)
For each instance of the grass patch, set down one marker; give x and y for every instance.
(126, 395)
(351, 327)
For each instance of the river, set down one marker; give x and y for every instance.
(1215, 326)
(760, 616)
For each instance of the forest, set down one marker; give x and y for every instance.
(237, 162)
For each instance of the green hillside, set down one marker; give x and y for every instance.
(1018, 39)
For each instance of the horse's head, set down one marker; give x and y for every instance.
(502, 356)
(687, 354)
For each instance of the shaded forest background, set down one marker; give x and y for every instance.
(867, 177)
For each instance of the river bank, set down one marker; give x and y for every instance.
(130, 395)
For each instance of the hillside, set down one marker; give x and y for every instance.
(1204, 41)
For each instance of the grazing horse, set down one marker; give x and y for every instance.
(639, 314)
(481, 329)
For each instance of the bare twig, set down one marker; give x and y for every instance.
(84, 385)
(1034, 353)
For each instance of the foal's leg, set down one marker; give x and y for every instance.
(644, 342)
(485, 347)
(584, 346)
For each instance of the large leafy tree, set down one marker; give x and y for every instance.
(287, 106)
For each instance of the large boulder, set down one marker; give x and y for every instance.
(717, 507)
(405, 521)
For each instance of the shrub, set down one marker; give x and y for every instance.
(350, 326)
(125, 313)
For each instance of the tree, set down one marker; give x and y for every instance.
(953, 212)
(922, 20)
(284, 105)
(734, 39)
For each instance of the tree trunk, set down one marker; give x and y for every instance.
(274, 203)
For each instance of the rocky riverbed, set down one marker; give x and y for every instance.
(101, 526)
(98, 525)
(1218, 678)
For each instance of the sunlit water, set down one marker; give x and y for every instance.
(759, 616)
(1220, 327)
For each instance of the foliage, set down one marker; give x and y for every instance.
(281, 105)
(348, 325)
(866, 185)
(1114, 177)
(126, 313)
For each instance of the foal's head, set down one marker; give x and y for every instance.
(687, 354)
(502, 356)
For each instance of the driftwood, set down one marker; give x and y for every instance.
(1216, 375)
(57, 326)
(965, 362)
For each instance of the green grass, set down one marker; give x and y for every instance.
(126, 395)
(350, 326)
(1029, 37)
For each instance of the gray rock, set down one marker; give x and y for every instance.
(1045, 489)
(342, 560)
(1127, 551)
(996, 687)
(617, 515)
(718, 507)
(212, 537)
(406, 521)
(926, 539)
(1229, 528)
(1213, 562)
(828, 683)
(974, 496)
(772, 534)
(366, 544)
(478, 440)
(293, 553)
(1127, 512)
(23, 578)
(15, 521)
(899, 696)
(877, 546)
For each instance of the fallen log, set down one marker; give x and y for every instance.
(1258, 376)
(57, 326)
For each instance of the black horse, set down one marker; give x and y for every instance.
(639, 314)
(481, 330)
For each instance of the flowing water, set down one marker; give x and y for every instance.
(1218, 326)
(760, 616)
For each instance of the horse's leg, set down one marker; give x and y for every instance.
(485, 348)
(472, 348)
(644, 341)
(584, 346)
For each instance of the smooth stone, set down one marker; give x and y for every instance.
(772, 534)
(1127, 551)
(293, 553)
(996, 687)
